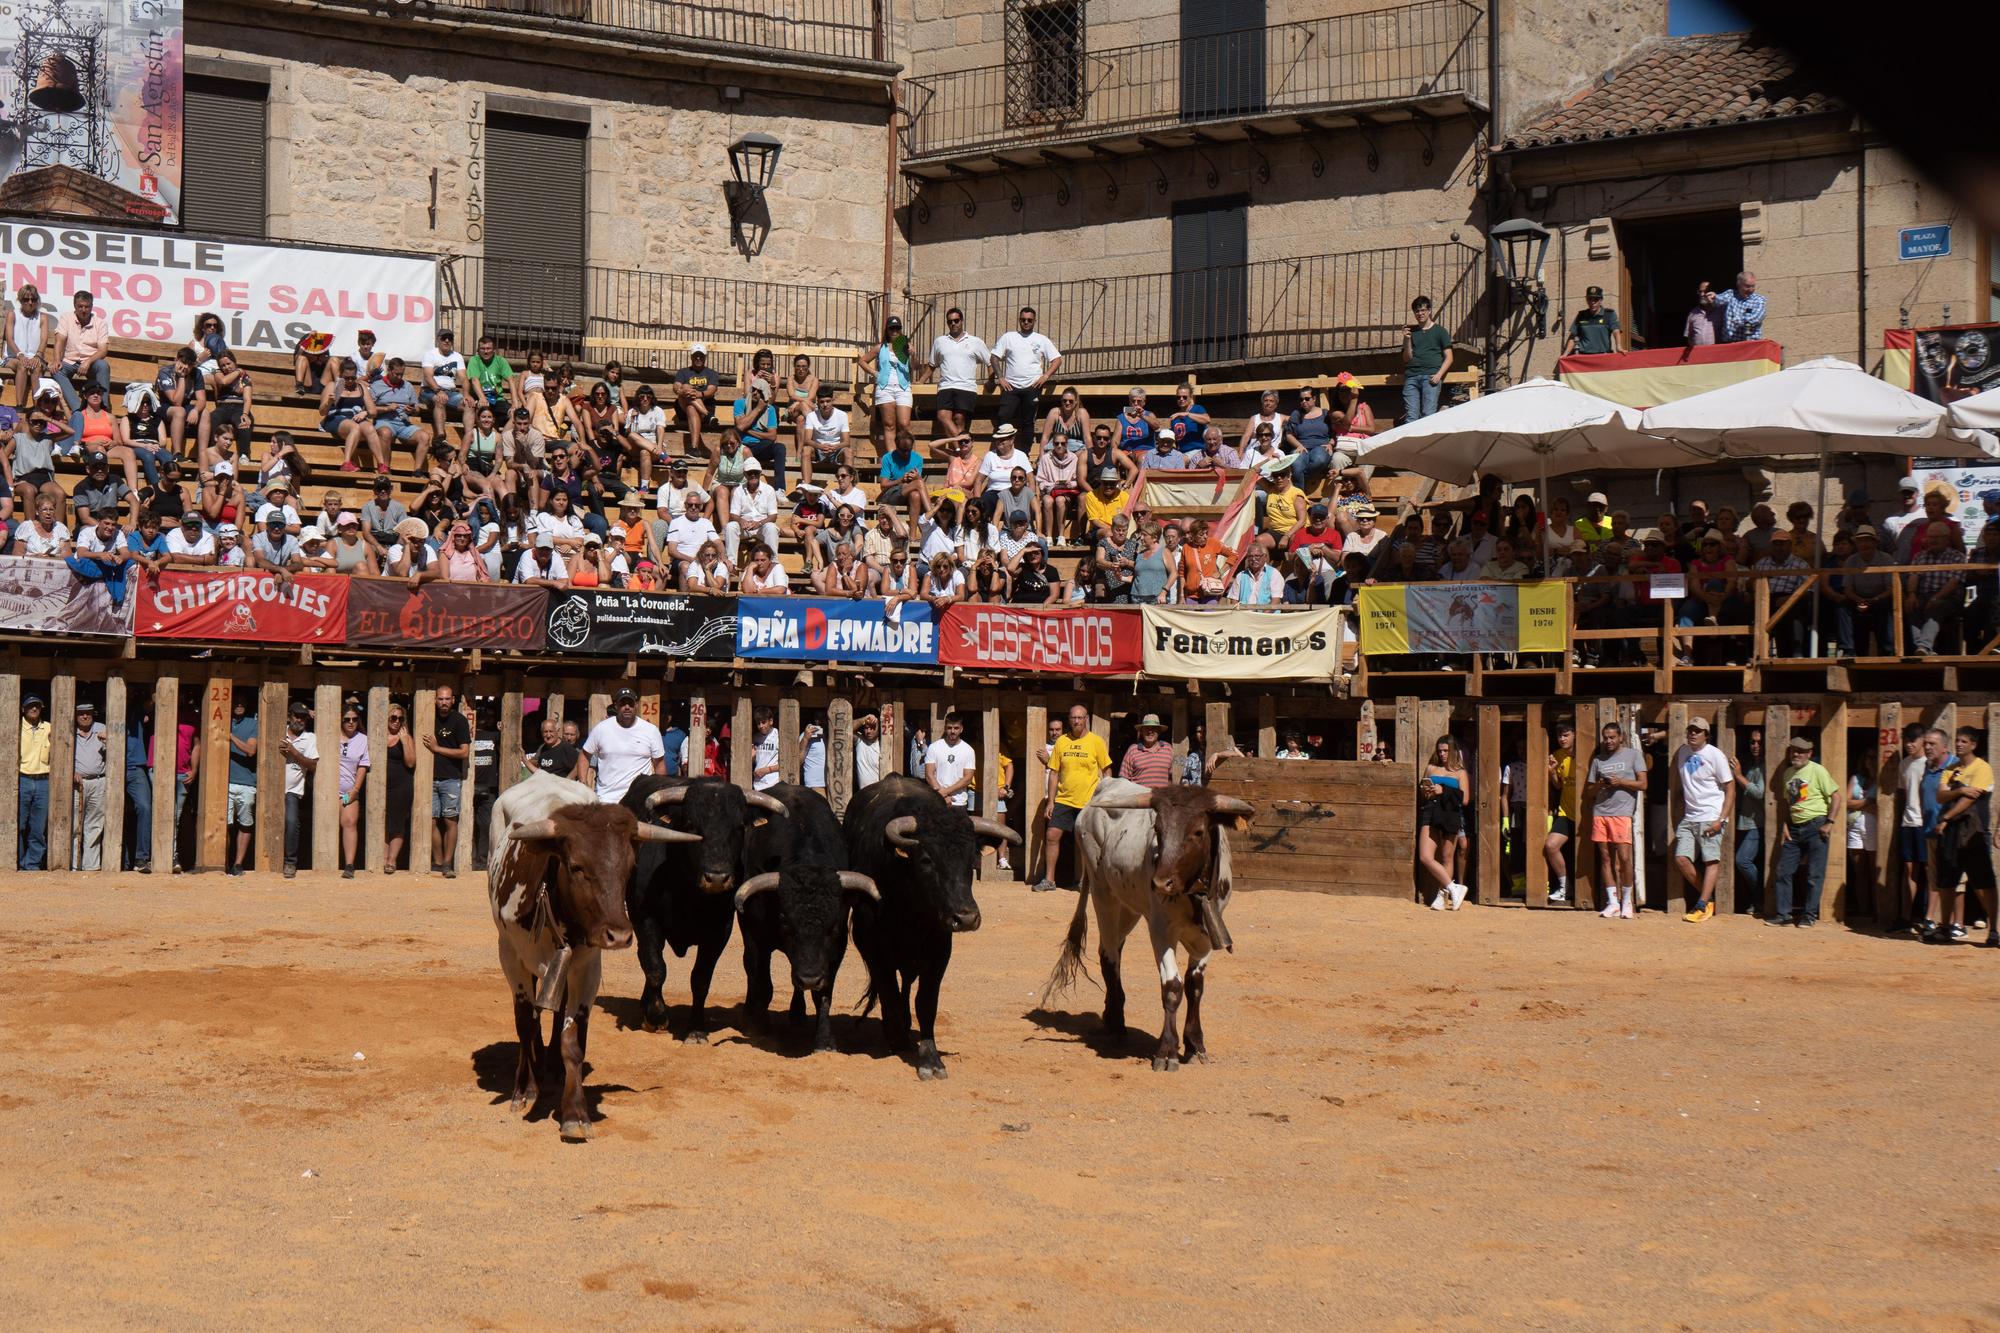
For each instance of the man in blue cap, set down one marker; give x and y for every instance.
(1990, 502)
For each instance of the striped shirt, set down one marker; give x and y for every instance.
(1149, 766)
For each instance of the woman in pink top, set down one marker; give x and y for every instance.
(462, 561)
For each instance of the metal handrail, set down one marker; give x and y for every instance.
(1411, 52)
(835, 29)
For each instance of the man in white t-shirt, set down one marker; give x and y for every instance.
(867, 750)
(950, 765)
(823, 434)
(623, 748)
(765, 772)
(752, 509)
(189, 545)
(1708, 800)
(1023, 361)
(301, 750)
(996, 469)
(673, 496)
(958, 361)
(444, 367)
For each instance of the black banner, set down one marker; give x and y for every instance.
(1957, 362)
(614, 623)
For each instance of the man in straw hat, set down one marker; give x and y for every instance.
(1149, 762)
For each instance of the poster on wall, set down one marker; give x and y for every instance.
(1956, 362)
(1963, 485)
(1464, 618)
(149, 285)
(91, 125)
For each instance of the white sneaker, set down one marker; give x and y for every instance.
(1558, 895)
(1611, 908)
(1630, 910)
(1437, 902)
(1458, 892)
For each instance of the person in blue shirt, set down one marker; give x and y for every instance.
(888, 365)
(1189, 421)
(757, 422)
(242, 781)
(903, 475)
(673, 739)
(139, 788)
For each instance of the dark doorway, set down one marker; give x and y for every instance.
(1664, 259)
(1222, 58)
(1211, 297)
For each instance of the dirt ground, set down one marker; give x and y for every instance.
(247, 1102)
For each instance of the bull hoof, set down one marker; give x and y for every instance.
(523, 1102)
(924, 1073)
(694, 1038)
(823, 1044)
(655, 1022)
(575, 1131)
(1166, 1064)
(1195, 1057)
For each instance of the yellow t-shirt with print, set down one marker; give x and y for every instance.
(1565, 770)
(1099, 510)
(1078, 762)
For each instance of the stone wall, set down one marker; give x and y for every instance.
(1553, 49)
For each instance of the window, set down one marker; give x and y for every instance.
(225, 167)
(1211, 297)
(534, 231)
(1044, 60)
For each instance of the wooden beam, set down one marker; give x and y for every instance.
(166, 752)
(375, 796)
(1215, 726)
(1777, 737)
(10, 759)
(1888, 898)
(891, 743)
(1725, 879)
(839, 753)
(599, 709)
(697, 733)
(1267, 727)
(1181, 734)
(1677, 719)
(1583, 852)
(267, 842)
(788, 738)
(1487, 783)
(1364, 732)
(1834, 895)
(1034, 785)
(742, 745)
(116, 722)
(1406, 732)
(1538, 806)
(325, 782)
(62, 770)
(213, 846)
(512, 721)
(461, 858)
(423, 723)
(990, 747)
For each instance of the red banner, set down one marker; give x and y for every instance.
(1066, 641)
(389, 613)
(240, 605)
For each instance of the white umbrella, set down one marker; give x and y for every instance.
(1979, 412)
(1822, 407)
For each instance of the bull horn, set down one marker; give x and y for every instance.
(1234, 805)
(988, 828)
(1142, 800)
(764, 802)
(855, 882)
(533, 832)
(901, 831)
(755, 885)
(666, 796)
(655, 833)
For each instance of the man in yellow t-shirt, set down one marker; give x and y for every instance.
(1078, 759)
(33, 806)
(1959, 846)
(1813, 806)
(1562, 812)
(1106, 500)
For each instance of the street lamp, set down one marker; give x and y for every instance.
(1521, 245)
(753, 161)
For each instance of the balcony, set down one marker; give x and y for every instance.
(1415, 61)
(817, 33)
(1272, 310)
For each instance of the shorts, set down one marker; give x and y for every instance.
(1611, 828)
(479, 463)
(897, 397)
(231, 412)
(1692, 843)
(1443, 815)
(40, 476)
(1064, 816)
(444, 798)
(453, 399)
(1563, 825)
(332, 423)
(1915, 845)
(1065, 492)
(402, 432)
(961, 401)
(242, 805)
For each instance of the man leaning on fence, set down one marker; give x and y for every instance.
(87, 843)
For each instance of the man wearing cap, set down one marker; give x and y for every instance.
(1150, 761)
(1313, 551)
(87, 843)
(301, 750)
(1165, 454)
(1023, 361)
(1595, 331)
(623, 748)
(541, 565)
(1106, 500)
(32, 808)
(672, 497)
(1593, 526)
(99, 492)
(694, 396)
(958, 361)
(412, 553)
(450, 745)
(1909, 508)
(753, 509)
(1708, 798)
(276, 550)
(1812, 805)
(189, 546)
(996, 471)
(380, 515)
(1426, 361)
(278, 500)
(243, 743)
(1861, 601)
(1786, 574)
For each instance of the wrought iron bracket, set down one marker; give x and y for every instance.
(1368, 130)
(1428, 129)
(1058, 166)
(1263, 168)
(1202, 143)
(1110, 180)
(959, 175)
(1153, 149)
(918, 204)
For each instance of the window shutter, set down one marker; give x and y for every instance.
(223, 177)
(535, 186)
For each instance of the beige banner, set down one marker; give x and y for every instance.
(1242, 644)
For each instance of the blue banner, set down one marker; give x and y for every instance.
(824, 629)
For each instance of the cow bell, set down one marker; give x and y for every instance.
(549, 995)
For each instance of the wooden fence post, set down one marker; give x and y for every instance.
(375, 796)
(1725, 878)
(1490, 871)
(1777, 739)
(422, 719)
(697, 733)
(1537, 780)
(1406, 731)
(1677, 891)
(1215, 730)
(461, 853)
(891, 745)
(788, 738)
(1034, 786)
(325, 783)
(839, 753)
(1584, 876)
(1365, 739)
(1833, 757)
(116, 724)
(1267, 727)
(512, 719)
(742, 748)
(62, 770)
(268, 840)
(10, 760)
(1888, 903)
(213, 849)
(166, 784)
(989, 757)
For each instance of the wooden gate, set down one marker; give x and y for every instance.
(1323, 826)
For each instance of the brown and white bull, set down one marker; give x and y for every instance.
(1162, 857)
(556, 880)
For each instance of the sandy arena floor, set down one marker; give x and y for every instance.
(1498, 1119)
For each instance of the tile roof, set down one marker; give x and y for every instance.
(1681, 83)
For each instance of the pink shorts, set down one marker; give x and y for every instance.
(1611, 828)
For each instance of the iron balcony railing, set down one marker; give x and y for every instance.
(1272, 310)
(532, 306)
(1431, 50)
(833, 29)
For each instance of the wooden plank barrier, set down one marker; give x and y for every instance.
(1323, 826)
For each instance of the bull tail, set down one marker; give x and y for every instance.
(1069, 963)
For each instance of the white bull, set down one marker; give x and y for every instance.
(556, 878)
(1161, 856)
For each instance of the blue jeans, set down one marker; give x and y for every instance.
(1420, 396)
(1308, 467)
(1749, 847)
(100, 373)
(1808, 841)
(34, 820)
(1856, 630)
(113, 577)
(139, 791)
(772, 455)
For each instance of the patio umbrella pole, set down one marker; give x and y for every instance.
(1820, 542)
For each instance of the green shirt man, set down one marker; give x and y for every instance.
(1807, 790)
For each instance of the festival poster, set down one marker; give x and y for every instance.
(620, 622)
(493, 617)
(242, 606)
(1463, 618)
(149, 285)
(92, 121)
(40, 596)
(1963, 485)
(820, 629)
(1241, 644)
(1955, 362)
(1066, 641)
